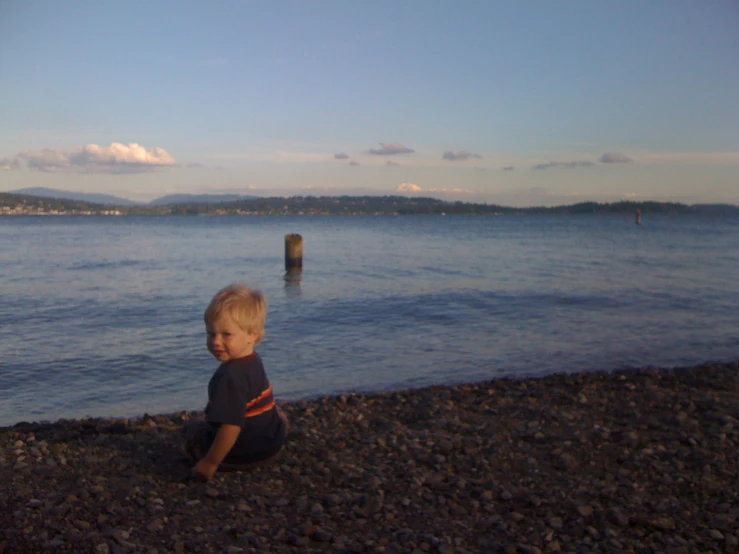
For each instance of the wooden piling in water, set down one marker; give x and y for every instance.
(638, 217)
(293, 251)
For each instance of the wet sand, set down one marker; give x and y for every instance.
(632, 461)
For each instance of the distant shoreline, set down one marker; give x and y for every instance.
(15, 204)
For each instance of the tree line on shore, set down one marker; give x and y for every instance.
(346, 205)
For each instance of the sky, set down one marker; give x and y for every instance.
(517, 103)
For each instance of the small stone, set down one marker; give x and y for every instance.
(102, 548)
(716, 534)
(306, 529)
(617, 517)
(34, 503)
(155, 525)
(374, 505)
(666, 523)
(321, 536)
(585, 511)
(565, 462)
(232, 549)
(505, 495)
(374, 482)
(120, 535)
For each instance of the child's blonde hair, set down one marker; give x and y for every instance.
(246, 307)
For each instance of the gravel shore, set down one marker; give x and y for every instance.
(629, 461)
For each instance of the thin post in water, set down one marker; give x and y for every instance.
(293, 251)
(638, 217)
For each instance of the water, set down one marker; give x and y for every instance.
(102, 316)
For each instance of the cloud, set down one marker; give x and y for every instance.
(390, 150)
(390, 162)
(194, 166)
(568, 165)
(455, 155)
(116, 158)
(341, 156)
(454, 190)
(413, 188)
(613, 158)
(408, 187)
(353, 163)
(9, 164)
(508, 168)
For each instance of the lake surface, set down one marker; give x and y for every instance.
(102, 316)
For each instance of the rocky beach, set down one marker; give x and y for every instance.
(627, 461)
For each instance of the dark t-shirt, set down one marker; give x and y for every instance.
(240, 394)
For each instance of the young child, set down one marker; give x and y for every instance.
(243, 425)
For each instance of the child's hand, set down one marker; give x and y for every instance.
(204, 470)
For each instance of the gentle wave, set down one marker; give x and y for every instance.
(101, 316)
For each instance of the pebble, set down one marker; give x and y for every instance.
(566, 463)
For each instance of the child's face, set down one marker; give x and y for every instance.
(227, 341)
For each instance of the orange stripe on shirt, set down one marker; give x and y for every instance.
(259, 411)
(262, 396)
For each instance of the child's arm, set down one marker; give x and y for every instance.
(222, 445)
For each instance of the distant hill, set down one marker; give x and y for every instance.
(95, 198)
(715, 209)
(198, 199)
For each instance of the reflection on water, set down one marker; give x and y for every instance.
(293, 277)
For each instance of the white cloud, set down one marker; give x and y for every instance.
(116, 158)
(408, 187)
(413, 188)
(454, 190)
